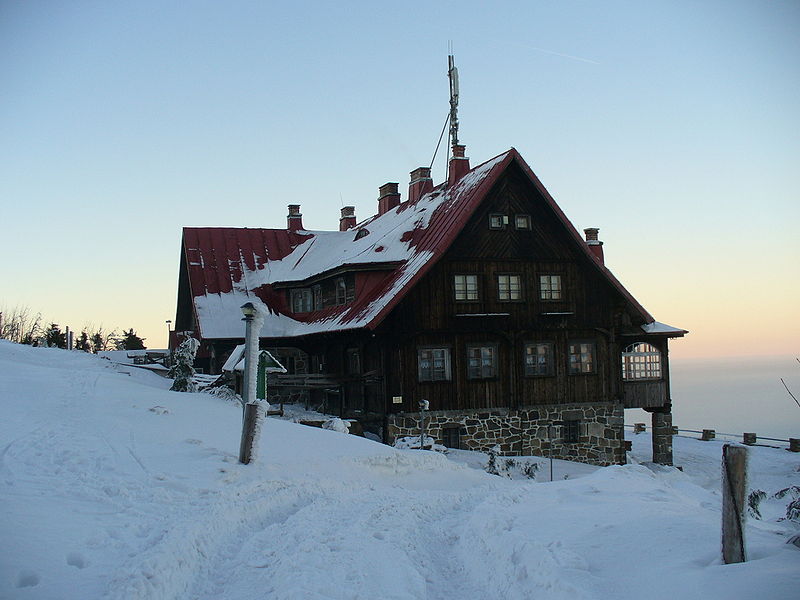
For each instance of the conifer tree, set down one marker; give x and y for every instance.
(182, 368)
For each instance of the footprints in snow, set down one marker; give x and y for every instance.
(27, 578)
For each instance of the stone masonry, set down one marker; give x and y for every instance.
(525, 432)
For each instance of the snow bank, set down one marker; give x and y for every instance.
(113, 487)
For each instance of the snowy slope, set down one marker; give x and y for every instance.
(113, 487)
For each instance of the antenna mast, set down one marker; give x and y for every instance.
(452, 74)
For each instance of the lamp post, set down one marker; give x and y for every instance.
(251, 408)
(169, 322)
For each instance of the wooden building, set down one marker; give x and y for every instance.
(477, 295)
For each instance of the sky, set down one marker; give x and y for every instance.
(673, 127)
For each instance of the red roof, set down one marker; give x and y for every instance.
(230, 266)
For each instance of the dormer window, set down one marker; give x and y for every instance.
(302, 300)
(341, 291)
(361, 233)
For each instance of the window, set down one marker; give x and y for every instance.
(360, 234)
(341, 291)
(641, 361)
(550, 287)
(581, 357)
(465, 287)
(317, 291)
(451, 436)
(433, 364)
(509, 288)
(571, 433)
(353, 361)
(522, 221)
(497, 221)
(301, 300)
(481, 362)
(539, 359)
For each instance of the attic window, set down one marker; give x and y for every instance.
(522, 221)
(361, 233)
(302, 300)
(498, 221)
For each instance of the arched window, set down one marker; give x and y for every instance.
(641, 361)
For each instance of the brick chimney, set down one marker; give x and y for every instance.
(421, 183)
(595, 245)
(459, 165)
(294, 221)
(348, 218)
(388, 197)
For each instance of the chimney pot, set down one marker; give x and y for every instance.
(421, 183)
(388, 197)
(348, 218)
(595, 245)
(459, 164)
(294, 221)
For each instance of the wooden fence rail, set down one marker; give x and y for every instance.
(748, 438)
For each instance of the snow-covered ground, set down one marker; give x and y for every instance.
(113, 487)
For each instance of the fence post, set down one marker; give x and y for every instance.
(749, 438)
(708, 435)
(794, 444)
(734, 477)
(639, 427)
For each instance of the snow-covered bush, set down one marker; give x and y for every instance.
(182, 368)
(508, 467)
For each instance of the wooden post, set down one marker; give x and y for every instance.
(749, 438)
(794, 444)
(639, 427)
(734, 478)
(708, 435)
(249, 428)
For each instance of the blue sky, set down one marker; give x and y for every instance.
(674, 127)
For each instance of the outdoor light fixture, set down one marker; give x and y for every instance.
(248, 310)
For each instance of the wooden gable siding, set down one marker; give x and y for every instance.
(431, 317)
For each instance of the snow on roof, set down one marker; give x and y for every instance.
(657, 328)
(228, 267)
(235, 361)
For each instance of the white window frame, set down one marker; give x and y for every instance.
(465, 288)
(641, 362)
(550, 287)
(509, 287)
(522, 222)
(302, 300)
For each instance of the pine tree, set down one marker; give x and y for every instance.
(54, 337)
(131, 341)
(182, 368)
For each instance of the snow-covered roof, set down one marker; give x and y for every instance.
(228, 267)
(656, 328)
(235, 361)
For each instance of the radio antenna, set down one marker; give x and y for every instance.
(452, 74)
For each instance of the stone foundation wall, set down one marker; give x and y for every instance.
(524, 432)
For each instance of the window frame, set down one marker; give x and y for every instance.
(521, 287)
(340, 291)
(546, 293)
(495, 364)
(528, 222)
(466, 288)
(306, 297)
(649, 368)
(571, 431)
(503, 221)
(447, 370)
(447, 438)
(550, 363)
(580, 370)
